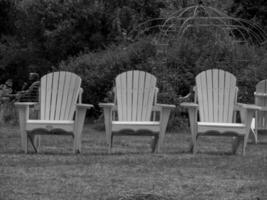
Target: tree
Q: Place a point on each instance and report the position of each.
(250, 9)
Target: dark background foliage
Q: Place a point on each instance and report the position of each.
(91, 38)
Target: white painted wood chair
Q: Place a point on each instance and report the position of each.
(59, 92)
(259, 123)
(133, 112)
(216, 101)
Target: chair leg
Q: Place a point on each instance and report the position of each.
(109, 137)
(253, 134)
(194, 143)
(24, 141)
(245, 141)
(31, 139)
(236, 143)
(111, 141)
(77, 143)
(37, 142)
(256, 136)
(159, 142)
(154, 143)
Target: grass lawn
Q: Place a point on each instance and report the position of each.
(131, 171)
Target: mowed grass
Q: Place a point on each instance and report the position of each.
(131, 171)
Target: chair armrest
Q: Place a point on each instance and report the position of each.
(111, 106)
(248, 106)
(159, 107)
(84, 106)
(23, 110)
(25, 104)
(186, 98)
(164, 110)
(189, 105)
(246, 112)
(108, 108)
(192, 111)
(80, 113)
(259, 94)
(262, 108)
(106, 105)
(165, 106)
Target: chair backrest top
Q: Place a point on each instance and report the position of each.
(216, 94)
(261, 93)
(135, 95)
(59, 94)
(261, 87)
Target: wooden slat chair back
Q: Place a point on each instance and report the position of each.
(135, 110)
(216, 103)
(135, 95)
(58, 95)
(216, 93)
(261, 100)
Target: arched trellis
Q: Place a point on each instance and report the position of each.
(177, 26)
(233, 34)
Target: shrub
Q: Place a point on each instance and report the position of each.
(98, 70)
(176, 73)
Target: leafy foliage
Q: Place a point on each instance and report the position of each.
(90, 38)
(252, 10)
(98, 70)
(44, 33)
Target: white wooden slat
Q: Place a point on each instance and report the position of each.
(200, 97)
(69, 96)
(209, 95)
(135, 94)
(119, 97)
(221, 95)
(59, 92)
(215, 94)
(54, 95)
(48, 95)
(63, 108)
(154, 113)
(261, 87)
(204, 96)
(156, 94)
(61, 84)
(123, 96)
(145, 96)
(43, 97)
(226, 96)
(75, 94)
(264, 114)
(129, 95)
(140, 95)
(151, 95)
(232, 99)
(265, 88)
(195, 93)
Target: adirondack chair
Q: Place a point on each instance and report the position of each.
(59, 92)
(259, 123)
(216, 101)
(133, 112)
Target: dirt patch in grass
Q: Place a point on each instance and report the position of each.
(131, 171)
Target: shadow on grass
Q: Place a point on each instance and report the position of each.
(141, 197)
